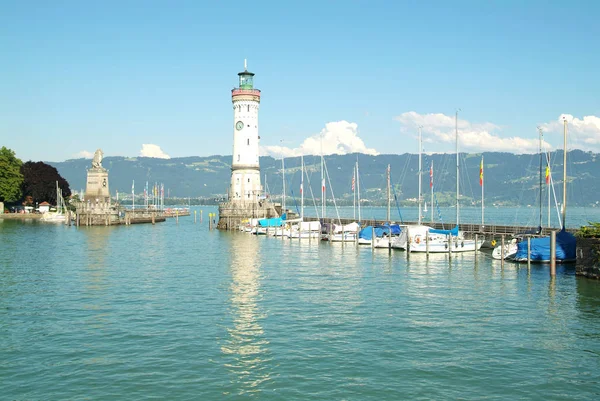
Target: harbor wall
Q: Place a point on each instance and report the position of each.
(588, 257)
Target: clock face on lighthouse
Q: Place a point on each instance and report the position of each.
(239, 125)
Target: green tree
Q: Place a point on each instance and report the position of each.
(40, 182)
(10, 176)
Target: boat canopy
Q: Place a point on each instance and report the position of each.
(380, 231)
(566, 248)
(454, 231)
(310, 226)
(352, 227)
(274, 222)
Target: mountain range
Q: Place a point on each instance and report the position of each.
(509, 179)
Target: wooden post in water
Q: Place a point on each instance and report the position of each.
(330, 229)
(153, 221)
(427, 243)
(502, 251)
(195, 216)
(475, 243)
(177, 216)
(528, 252)
(201, 218)
(449, 246)
(407, 242)
(552, 253)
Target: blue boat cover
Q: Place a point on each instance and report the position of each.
(454, 231)
(367, 232)
(275, 222)
(566, 248)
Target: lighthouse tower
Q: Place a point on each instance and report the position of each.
(245, 169)
(245, 200)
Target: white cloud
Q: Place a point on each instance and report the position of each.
(338, 137)
(151, 150)
(472, 137)
(84, 154)
(583, 133)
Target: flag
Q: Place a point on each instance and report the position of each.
(133, 186)
(431, 176)
(162, 189)
(301, 188)
(481, 172)
(547, 174)
(323, 185)
(353, 180)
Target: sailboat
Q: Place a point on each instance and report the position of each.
(427, 239)
(387, 235)
(59, 215)
(304, 229)
(566, 244)
(509, 249)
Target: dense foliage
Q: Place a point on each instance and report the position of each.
(39, 182)
(10, 176)
(590, 231)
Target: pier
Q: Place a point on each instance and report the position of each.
(489, 230)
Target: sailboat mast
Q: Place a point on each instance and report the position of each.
(541, 166)
(357, 188)
(420, 172)
(431, 187)
(354, 193)
(388, 193)
(564, 210)
(457, 169)
(302, 187)
(322, 183)
(283, 177)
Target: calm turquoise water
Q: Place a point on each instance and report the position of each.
(175, 311)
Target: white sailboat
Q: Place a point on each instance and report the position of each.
(58, 216)
(304, 229)
(444, 241)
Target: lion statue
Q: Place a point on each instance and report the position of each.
(97, 160)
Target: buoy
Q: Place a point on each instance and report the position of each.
(493, 242)
(418, 240)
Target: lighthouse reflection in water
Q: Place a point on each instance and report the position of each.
(246, 345)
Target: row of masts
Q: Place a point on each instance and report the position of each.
(356, 181)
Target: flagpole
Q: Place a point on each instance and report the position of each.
(482, 184)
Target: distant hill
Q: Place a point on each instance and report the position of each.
(509, 178)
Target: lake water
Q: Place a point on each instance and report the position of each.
(175, 311)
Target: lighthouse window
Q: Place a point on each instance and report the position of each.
(238, 157)
(248, 179)
(248, 141)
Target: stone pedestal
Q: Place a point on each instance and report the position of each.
(232, 213)
(96, 190)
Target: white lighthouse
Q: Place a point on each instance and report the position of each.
(244, 195)
(245, 169)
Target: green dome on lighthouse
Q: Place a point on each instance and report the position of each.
(246, 78)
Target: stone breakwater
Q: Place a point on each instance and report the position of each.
(588, 257)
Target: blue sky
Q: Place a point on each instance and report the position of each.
(77, 76)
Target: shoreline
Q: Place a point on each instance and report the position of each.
(21, 216)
